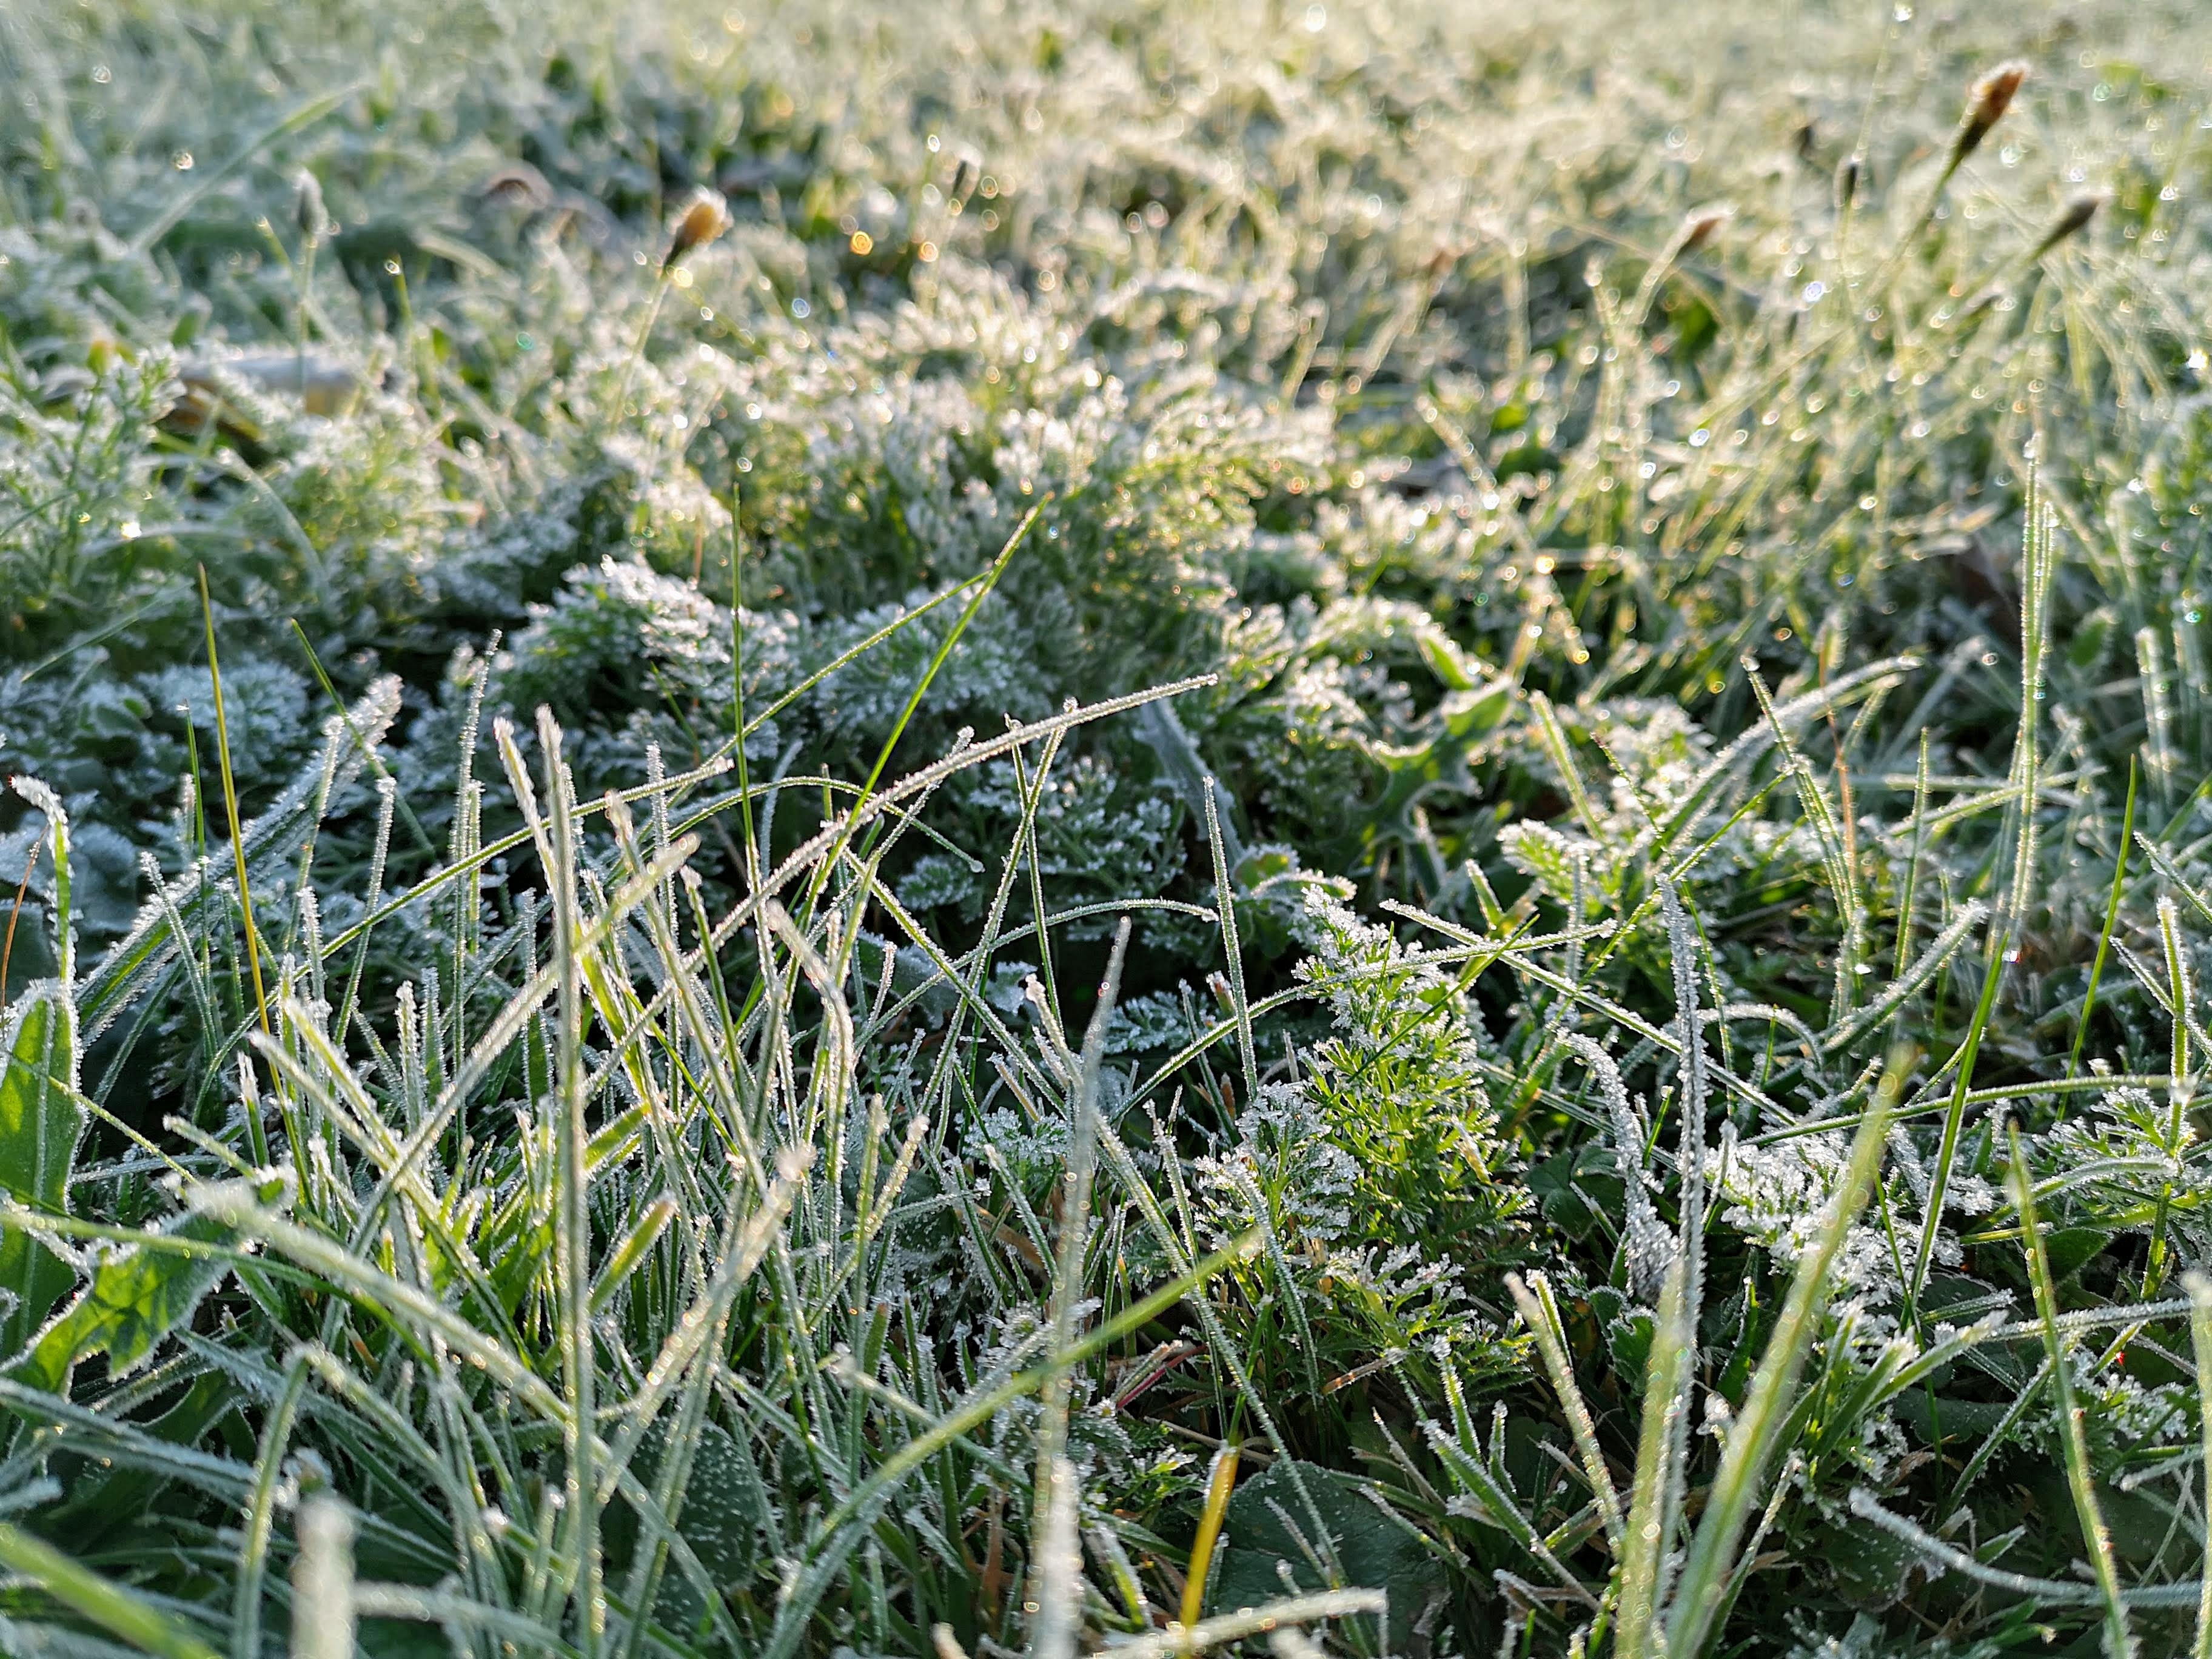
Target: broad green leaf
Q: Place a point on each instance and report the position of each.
(1270, 1552)
(135, 1298)
(724, 1509)
(39, 1121)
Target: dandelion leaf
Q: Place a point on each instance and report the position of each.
(134, 1298)
(40, 1123)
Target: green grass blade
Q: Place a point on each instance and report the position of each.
(1754, 1437)
(2200, 1343)
(2119, 1639)
(101, 1601)
(2111, 921)
(1666, 1377)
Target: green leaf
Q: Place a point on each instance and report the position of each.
(723, 1508)
(2072, 1248)
(1575, 1187)
(1374, 1549)
(40, 1123)
(113, 1607)
(1870, 1569)
(135, 1299)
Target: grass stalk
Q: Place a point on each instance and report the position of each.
(2111, 921)
(113, 1608)
(2119, 1641)
(237, 850)
(2200, 1345)
(1756, 1434)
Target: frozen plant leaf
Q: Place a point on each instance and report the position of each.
(39, 1124)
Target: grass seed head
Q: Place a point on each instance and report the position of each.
(1986, 105)
(2079, 211)
(1700, 224)
(308, 208)
(705, 217)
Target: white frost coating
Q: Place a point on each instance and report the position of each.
(347, 740)
(1646, 1241)
(44, 800)
(1059, 1566)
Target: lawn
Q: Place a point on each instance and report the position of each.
(840, 830)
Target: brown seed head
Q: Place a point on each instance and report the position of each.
(2078, 213)
(1847, 179)
(1986, 104)
(706, 216)
(1699, 224)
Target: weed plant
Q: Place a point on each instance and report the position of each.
(851, 830)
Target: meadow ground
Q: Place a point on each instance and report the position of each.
(849, 829)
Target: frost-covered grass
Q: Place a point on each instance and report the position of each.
(1369, 828)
